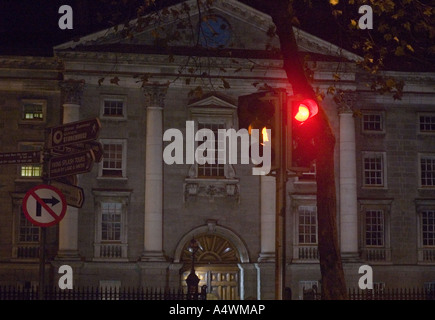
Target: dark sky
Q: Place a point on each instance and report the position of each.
(30, 27)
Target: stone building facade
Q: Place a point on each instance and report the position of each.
(141, 213)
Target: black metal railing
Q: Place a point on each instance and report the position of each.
(96, 293)
(382, 294)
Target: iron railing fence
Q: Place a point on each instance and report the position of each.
(96, 293)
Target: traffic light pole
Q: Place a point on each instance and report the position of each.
(281, 190)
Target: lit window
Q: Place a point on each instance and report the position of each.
(33, 111)
(30, 170)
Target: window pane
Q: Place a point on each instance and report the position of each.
(112, 163)
(373, 170)
(372, 122)
(374, 228)
(213, 169)
(307, 225)
(428, 227)
(427, 123)
(111, 221)
(30, 170)
(27, 231)
(427, 171)
(33, 111)
(113, 108)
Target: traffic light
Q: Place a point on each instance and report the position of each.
(305, 109)
(301, 148)
(262, 110)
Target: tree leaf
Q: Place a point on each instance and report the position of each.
(410, 48)
(115, 80)
(225, 83)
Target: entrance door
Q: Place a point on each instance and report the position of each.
(222, 281)
(216, 266)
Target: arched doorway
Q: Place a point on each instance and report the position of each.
(215, 264)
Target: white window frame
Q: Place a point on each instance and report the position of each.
(213, 110)
(28, 225)
(432, 211)
(206, 123)
(102, 248)
(123, 176)
(373, 113)
(29, 249)
(420, 157)
(118, 98)
(426, 253)
(383, 205)
(41, 102)
(303, 253)
(421, 114)
(372, 154)
(313, 210)
(382, 219)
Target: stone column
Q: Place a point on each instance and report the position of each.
(68, 227)
(153, 229)
(348, 182)
(267, 219)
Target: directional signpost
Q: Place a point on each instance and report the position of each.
(95, 146)
(20, 157)
(74, 195)
(70, 164)
(70, 149)
(73, 132)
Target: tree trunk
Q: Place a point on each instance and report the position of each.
(333, 283)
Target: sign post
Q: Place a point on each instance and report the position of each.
(20, 157)
(70, 164)
(74, 195)
(44, 206)
(70, 149)
(73, 132)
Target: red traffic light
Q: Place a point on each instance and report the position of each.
(306, 109)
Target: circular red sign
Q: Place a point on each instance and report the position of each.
(44, 205)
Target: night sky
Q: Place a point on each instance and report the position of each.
(30, 27)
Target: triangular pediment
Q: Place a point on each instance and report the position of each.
(213, 100)
(239, 27)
